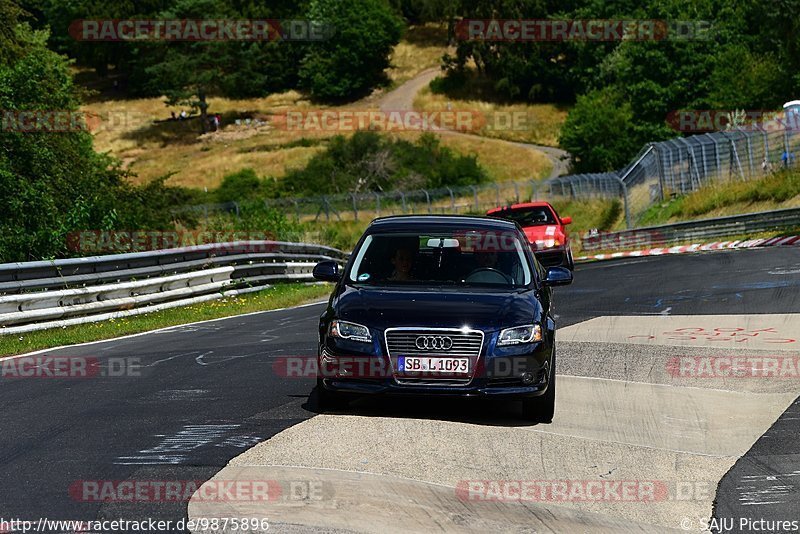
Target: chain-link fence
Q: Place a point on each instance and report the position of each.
(660, 171)
(475, 199)
(670, 168)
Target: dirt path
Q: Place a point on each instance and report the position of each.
(402, 99)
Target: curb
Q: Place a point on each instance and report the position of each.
(685, 249)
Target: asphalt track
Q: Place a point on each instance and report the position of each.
(207, 393)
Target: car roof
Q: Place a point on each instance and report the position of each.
(522, 205)
(426, 222)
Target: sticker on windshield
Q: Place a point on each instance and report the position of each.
(363, 277)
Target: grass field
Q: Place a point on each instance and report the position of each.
(152, 150)
(539, 124)
(278, 296)
(778, 191)
(138, 132)
(422, 48)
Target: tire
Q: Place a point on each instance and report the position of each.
(542, 408)
(328, 401)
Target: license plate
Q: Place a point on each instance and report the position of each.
(417, 364)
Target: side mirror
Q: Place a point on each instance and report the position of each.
(558, 276)
(566, 220)
(327, 271)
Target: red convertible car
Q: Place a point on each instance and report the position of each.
(545, 230)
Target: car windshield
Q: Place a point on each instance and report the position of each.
(465, 258)
(528, 216)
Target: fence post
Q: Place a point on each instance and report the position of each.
(377, 204)
(625, 199)
(355, 206)
(516, 192)
(533, 188)
(427, 199)
(749, 151)
(403, 198)
(452, 200)
(659, 170)
(475, 193)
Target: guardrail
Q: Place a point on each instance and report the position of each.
(46, 294)
(691, 231)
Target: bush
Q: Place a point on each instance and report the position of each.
(368, 162)
(239, 186)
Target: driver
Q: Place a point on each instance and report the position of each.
(486, 259)
(403, 261)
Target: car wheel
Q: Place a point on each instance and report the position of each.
(328, 401)
(541, 409)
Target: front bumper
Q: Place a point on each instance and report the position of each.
(552, 257)
(364, 387)
(519, 371)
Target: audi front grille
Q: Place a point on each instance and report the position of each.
(433, 342)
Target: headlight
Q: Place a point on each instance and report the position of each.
(352, 331)
(520, 334)
(548, 243)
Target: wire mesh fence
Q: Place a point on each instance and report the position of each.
(659, 172)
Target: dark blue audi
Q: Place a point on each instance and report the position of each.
(440, 305)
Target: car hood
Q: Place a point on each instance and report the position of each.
(437, 307)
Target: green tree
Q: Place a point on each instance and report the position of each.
(50, 182)
(353, 60)
(188, 72)
(600, 132)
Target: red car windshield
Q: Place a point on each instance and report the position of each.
(528, 216)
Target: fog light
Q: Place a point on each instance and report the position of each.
(527, 378)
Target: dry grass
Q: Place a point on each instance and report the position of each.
(535, 123)
(128, 129)
(422, 48)
(137, 131)
(154, 149)
(503, 161)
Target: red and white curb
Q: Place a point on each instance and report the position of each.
(684, 249)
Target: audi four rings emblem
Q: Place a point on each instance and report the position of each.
(434, 342)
